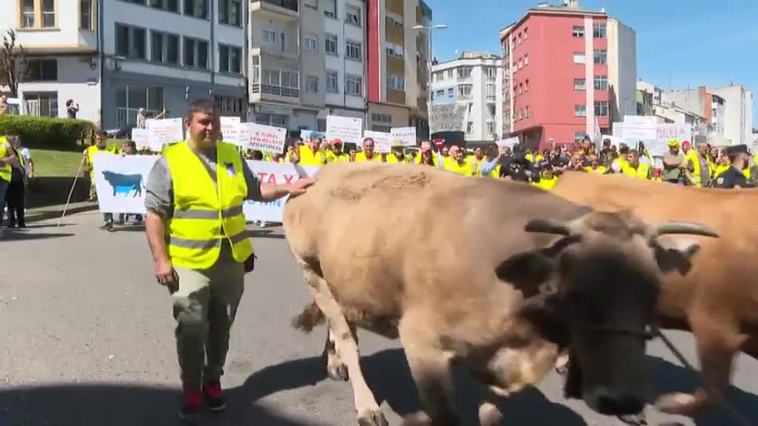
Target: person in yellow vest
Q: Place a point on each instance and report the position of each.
(534, 158)
(618, 164)
(426, 155)
(8, 160)
(368, 153)
(547, 179)
(595, 166)
(334, 154)
(477, 160)
(311, 154)
(100, 147)
(458, 163)
(197, 235)
(634, 168)
(491, 166)
(698, 165)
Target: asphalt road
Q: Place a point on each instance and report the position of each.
(88, 340)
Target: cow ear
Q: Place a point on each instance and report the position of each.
(527, 271)
(675, 259)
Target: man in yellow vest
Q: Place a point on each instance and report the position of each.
(699, 166)
(311, 153)
(547, 179)
(334, 154)
(458, 163)
(368, 153)
(634, 168)
(196, 231)
(100, 147)
(7, 161)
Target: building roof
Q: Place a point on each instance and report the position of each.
(547, 9)
(468, 56)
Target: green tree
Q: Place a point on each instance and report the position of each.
(13, 64)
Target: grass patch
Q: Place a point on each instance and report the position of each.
(57, 162)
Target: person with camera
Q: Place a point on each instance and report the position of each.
(196, 230)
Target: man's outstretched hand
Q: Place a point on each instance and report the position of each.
(300, 186)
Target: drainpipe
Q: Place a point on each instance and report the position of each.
(212, 11)
(101, 55)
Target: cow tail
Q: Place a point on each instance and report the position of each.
(309, 318)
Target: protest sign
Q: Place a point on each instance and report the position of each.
(164, 131)
(230, 129)
(141, 138)
(263, 138)
(639, 128)
(406, 135)
(382, 141)
(447, 118)
(348, 129)
(507, 143)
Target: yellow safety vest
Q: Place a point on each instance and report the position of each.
(696, 167)
(546, 184)
(418, 157)
(600, 170)
(206, 213)
(465, 169)
(5, 171)
(94, 150)
(361, 157)
(332, 157)
(531, 158)
(642, 171)
(309, 158)
(621, 163)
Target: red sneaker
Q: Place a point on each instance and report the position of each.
(214, 396)
(192, 403)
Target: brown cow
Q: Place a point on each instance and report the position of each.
(718, 299)
(443, 262)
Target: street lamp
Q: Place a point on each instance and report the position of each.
(429, 28)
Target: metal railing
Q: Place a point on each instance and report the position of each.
(286, 4)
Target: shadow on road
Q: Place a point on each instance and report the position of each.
(120, 405)
(388, 376)
(21, 234)
(264, 233)
(668, 377)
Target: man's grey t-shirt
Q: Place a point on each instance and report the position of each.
(159, 197)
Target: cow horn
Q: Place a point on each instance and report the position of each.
(684, 228)
(547, 226)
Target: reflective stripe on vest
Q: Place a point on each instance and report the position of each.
(206, 212)
(5, 171)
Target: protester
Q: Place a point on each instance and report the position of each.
(734, 177)
(368, 153)
(196, 234)
(72, 108)
(100, 147)
(16, 193)
(673, 164)
(8, 160)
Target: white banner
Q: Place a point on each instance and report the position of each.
(382, 141)
(263, 138)
(447, 118)
(348, 129)
(230, 129)
(164, 131)
(503, 143)
(405, 134)
(141, 138)
(120, 183)
(639, 128)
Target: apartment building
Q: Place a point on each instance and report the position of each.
(566, 69)
(738, 113)
(709, 106)
(113, 57)
(476, 79)
(397, 69)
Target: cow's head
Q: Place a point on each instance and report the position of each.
(605, 274)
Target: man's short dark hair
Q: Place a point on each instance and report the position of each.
(131, 144)
(101, 133)
(204, 105)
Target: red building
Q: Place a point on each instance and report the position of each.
(567, 71)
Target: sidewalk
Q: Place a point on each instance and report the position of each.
(55, 211)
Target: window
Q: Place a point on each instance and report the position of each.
(48, 13)
(526, 85)
(230, 12)
(37, 13)
(332, 81)
(601, 108)
(28, 14)
(598, 31)
(578, 31)
(601, 82)
(600, 56)
(311, 84)
(450, 92)
(130, 42)
(578, 136)
(527, 113)
(353, 50)
(580, 110)
(130, 98)
(354, 85)
(526, 34)
(311, 3)
(381, 118)
(579, 58)
(353, 15)
(195, 53)
(469, 127)
(43, 104)
(394, 50)
(526, 60)
(164, 48)
(491, 109)
(491, 92)
(330, 44)
(330, 8)
(41, 70)
(464, 91)
(396, 82)
(490, 73)
(281, 82)
(274, 39)
(196, 8)
(464, 73)
(229, 59)
(580, 84)
(86, 15)
(450, 73)
(311, 42)
(439, 93)
(169, 5)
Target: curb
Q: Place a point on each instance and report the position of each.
(51, 214)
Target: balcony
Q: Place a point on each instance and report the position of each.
(274, 79)
(276, 8)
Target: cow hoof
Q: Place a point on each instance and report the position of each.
(372, 418)
(678, 403)
(417, 419)
(338, 372)
(634, 419)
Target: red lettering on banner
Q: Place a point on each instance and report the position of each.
(262, 176)
(288, 178)
(272, 179)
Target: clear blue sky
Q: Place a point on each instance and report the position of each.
(680, 43)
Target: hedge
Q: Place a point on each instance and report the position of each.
(46, 132)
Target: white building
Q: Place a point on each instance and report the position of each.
(622, 69)
(738, 113)
(476, 80)
(129, 54)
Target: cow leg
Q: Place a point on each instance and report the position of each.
(430, 368)
(346, 348)
(489, 412)
(718, 341)
(335, 368)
